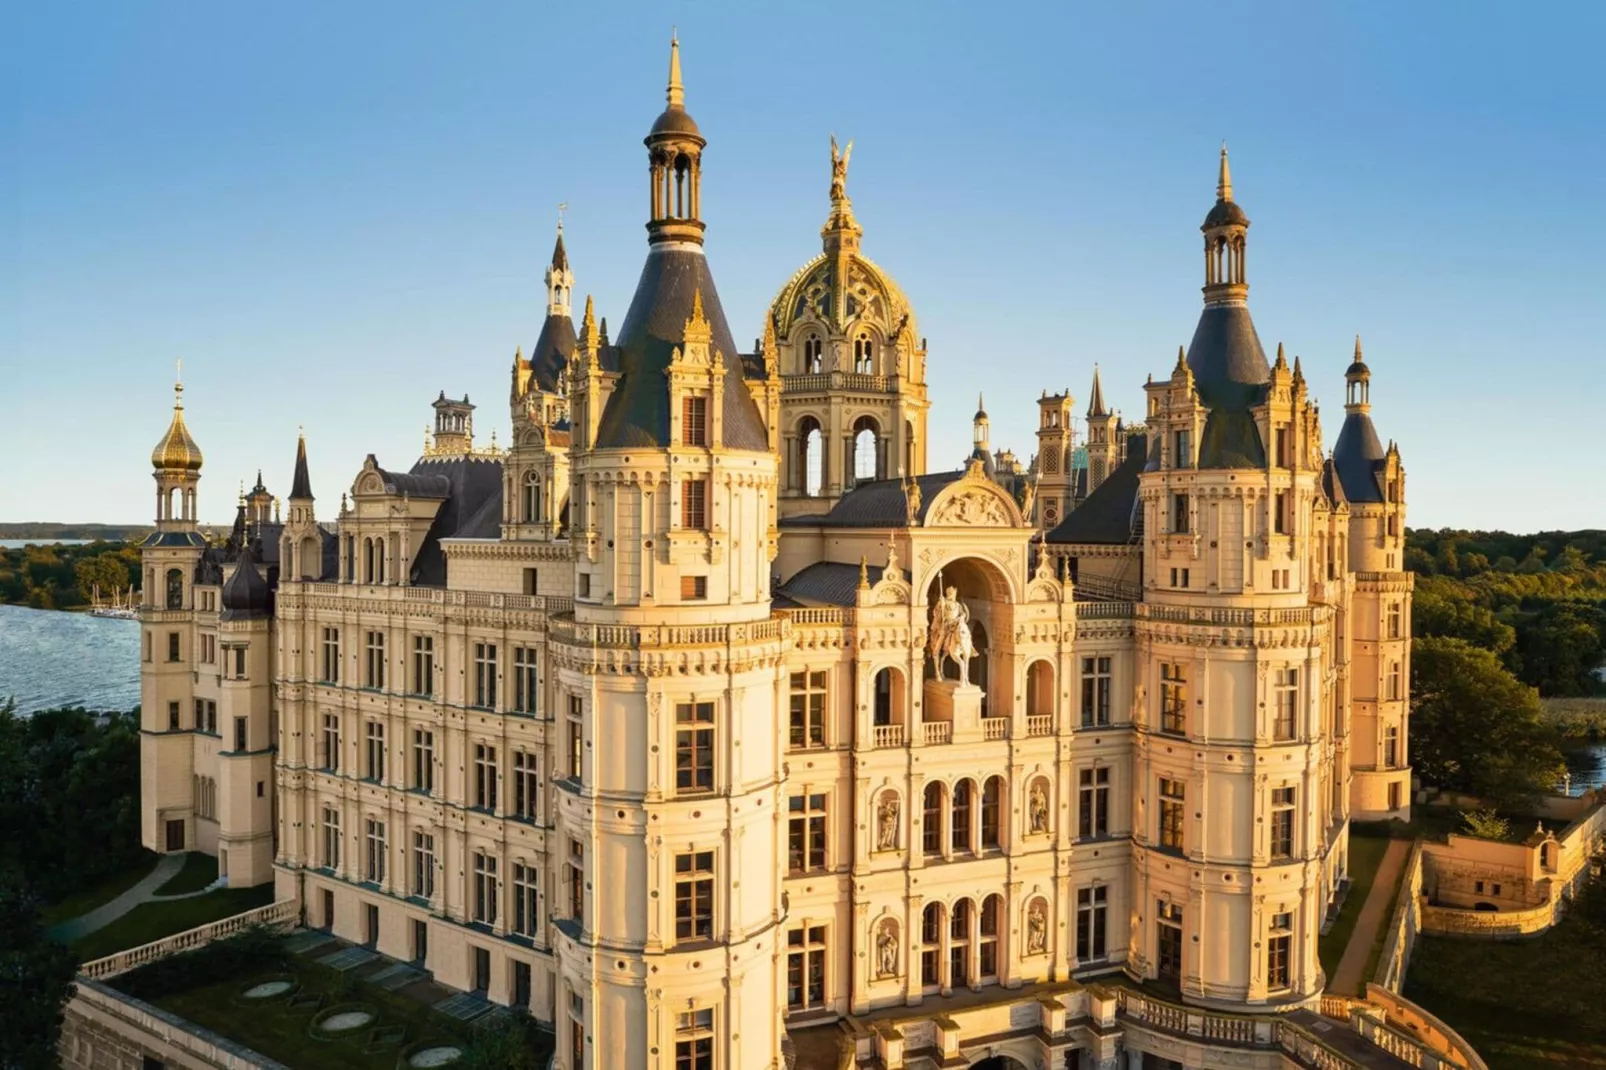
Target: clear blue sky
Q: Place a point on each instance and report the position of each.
(332, 212)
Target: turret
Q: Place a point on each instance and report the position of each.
(176, 464)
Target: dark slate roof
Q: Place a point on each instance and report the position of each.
(879, 503)
(174, 538)
(675, 120)
(416, 484)
(1231, 439)
(637, 413)
(827, 583)
(553, 350)
(473, 493)
(753, 366)
(1228, 364)
(1332, 486)
(301, 485)
(1225, 213)
(1357, 455)
(246, 595)
(1107, 514)
(560, 255)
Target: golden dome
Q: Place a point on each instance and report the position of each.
(176, 451)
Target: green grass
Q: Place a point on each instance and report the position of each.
(152, 921)
(104, 892)
(1365, 854)
(1536, 1004)
(199, 871)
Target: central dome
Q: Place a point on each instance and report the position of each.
(867, 294)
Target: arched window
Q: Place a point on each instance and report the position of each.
(532, 498)
(992, 910)
(931, 819)
(175, 588)
(959, 943)
(368, 560)
(964, 802)
(992, 800)
(889, 696)
(811, 456)
(813, 355)
(931, 923)
(864, 355)
(866, 449)
(1039, 689)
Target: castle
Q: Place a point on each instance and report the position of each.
(639, 723)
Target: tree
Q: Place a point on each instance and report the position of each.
(37, 975)
(1486, 824)
(105, 571)
(1476, 728)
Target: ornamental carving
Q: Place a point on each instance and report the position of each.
(972, 509)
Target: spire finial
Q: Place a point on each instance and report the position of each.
(563, 206)
(981, 402)
(1224, 179)
(178, 383)
(1357, 349)
(676, 92)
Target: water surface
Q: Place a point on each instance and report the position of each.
(49, 658)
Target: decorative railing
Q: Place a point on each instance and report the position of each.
(1220, 615)
(283, 913)
(938, 731)
(655, 636)
(1040, 724)
(888, 735)
(819, 382)
(1104, 610)
(818, 615)
(994, 727)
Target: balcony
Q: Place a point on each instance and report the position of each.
(888, 735)
(1040, 724)
(938, 732)
(994, 727)
(821, 382)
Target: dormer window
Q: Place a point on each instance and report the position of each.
(694, 421)
(532, 498)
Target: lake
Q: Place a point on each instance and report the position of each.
(17, 544)
(49, 659)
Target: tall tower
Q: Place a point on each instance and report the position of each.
(981, 448)
(535, 493)
(1234, 840)
(667, 794)
(851, 366)
(1056, 489)
(245, 825)
(301, 548)
(170, 556)
(1373, 480)
(1103, 444)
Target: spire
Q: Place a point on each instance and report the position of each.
(559, 279)
(1095, 404)
(1224, 177)
(676, 92)
(301, 485)
(176, 450)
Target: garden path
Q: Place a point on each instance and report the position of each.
(1347, 979)
(106, 913)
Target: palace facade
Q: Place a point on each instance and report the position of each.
(634, 723)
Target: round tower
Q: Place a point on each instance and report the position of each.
(669, 674)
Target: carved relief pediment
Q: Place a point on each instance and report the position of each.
(970, 509)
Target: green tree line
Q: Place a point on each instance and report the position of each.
(61, 576)
(69, 808)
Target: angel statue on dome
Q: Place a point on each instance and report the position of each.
(839, 169)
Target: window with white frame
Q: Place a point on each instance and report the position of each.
(526, 784)
(1095, 691)
(485, 776)
(526, 899)
(331, 742)
(331, 655)
(423, 884)
(374, 647)
(1093, 802)
(1092, 904)
(694, 896)
(526, 680)
(807, 715)
(1173, 799)
(1279, 945)
(806, 826)
(331, 838)
(485, 889)
(375, 767)
(485, 675)
(374, 858)
(423, 778)
(423, 665)
(1285, 703)
(1282, 822)
(694, 1040)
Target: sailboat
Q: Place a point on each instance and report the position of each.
(120, 607)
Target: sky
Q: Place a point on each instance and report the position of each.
(334, 212)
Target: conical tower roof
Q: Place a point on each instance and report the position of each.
(301, 485)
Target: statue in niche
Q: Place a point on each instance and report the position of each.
(1037, 807)
(1036, 928)
(886, 838)
(886, 950)
(950, 635)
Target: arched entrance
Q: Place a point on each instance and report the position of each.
(984, 590)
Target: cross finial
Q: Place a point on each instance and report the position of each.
(563, 206)
(676, 92)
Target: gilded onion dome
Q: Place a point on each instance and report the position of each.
(176, 451)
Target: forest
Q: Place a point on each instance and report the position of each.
(64, 576)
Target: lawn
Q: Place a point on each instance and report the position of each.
(199, 871)
(104, 892)
(1537, 1004)
(1365, 853)
(152, 921)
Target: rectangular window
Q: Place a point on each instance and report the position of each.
(807, 721)
(694, 1040)
(1179, 577)
(331, 838)
(485, 769)
(1173, 699)
(931, 945)
(485, 889)
(1285, 704)
(582, 585)
(1394, 620)
(526, 785)
(693, 421)
(1091, 906)
(211, 716)
(423, 665)
(375, 645)
(241, 742)
(693, 588)
(1391, 747)
(1278, 946)
(1095, 692)
(1280, 512)
(931, 821)
(577, 876)
(576, 736)
(374, 860)
(1182, 449)
(374, 732)
(805, 968)
(1393, 690)
(694, 896)
(423, 761)
(1179, 514)
(987, 939)
(1173, 797)
(694, 746)
(485, 675)
(172, 646)
(526, 680)
(532, 581)
(239, 663)
(805, 833)
(526, 899)
(1280, 448)
(1093, 815)
(1282, 823)
(172, 716)
(423, 885)
(331, 742)
(209, 649)
(331, 656)
(959, 832)
(694, 503)
(1168, 926)
(200, 715)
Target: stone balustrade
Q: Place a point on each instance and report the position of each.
(994, 727)
(566, 630)
(938, 732)
(1040, 724)
(281, 914)
(888, 735)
